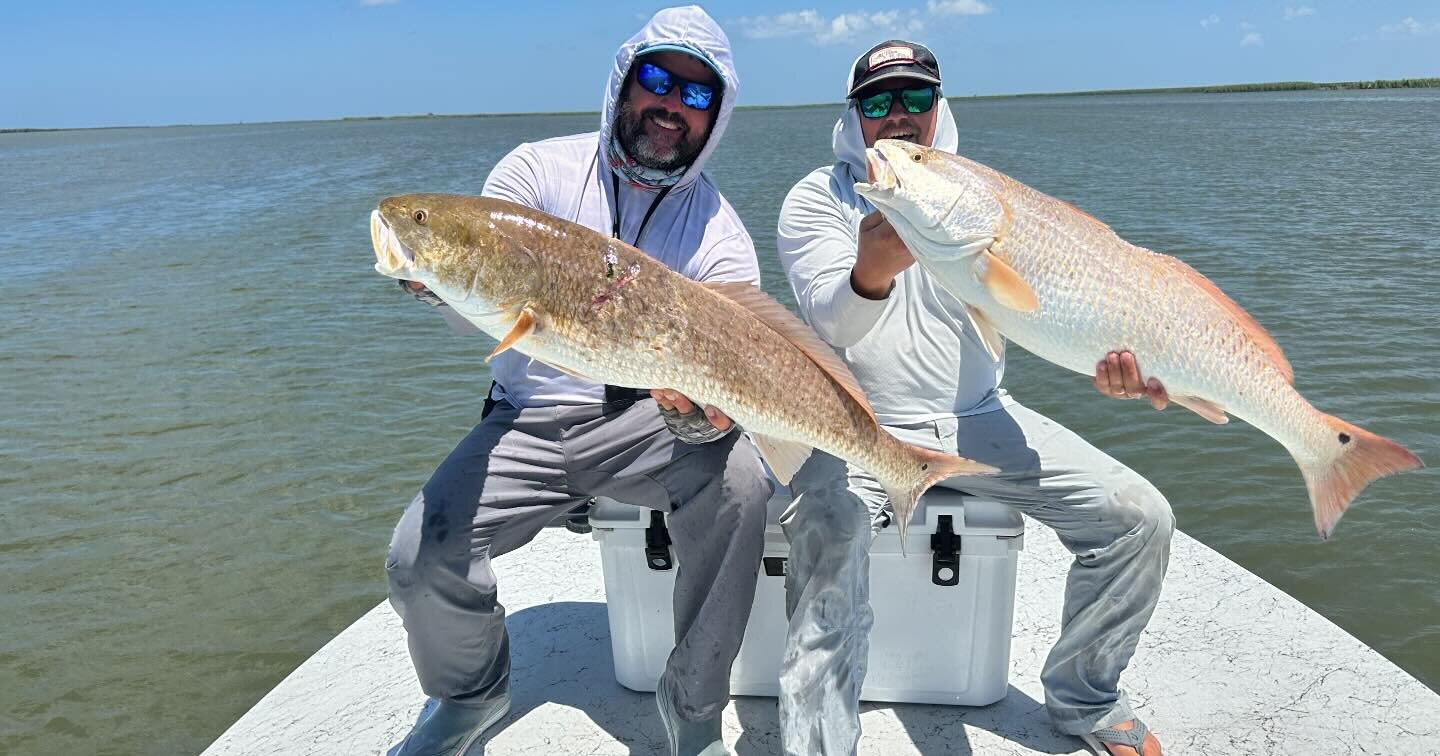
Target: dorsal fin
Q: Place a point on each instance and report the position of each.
(1257, 332)
(1006, 186)
(784, 322)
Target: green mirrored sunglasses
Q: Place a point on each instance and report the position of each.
(913, 99)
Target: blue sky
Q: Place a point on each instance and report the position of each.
(70, 64)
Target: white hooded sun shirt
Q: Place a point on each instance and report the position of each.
(913, 352)
(693, 230)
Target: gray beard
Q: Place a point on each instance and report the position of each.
(637, 144)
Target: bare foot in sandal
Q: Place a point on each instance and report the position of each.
(1117, 739)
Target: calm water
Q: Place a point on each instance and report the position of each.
(214, 411)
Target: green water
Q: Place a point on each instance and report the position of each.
(214, 410)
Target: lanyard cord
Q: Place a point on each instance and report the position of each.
(615, 209)
(618, 395)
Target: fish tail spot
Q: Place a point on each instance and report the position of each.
(1333, 485)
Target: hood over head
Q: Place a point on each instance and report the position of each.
(686, 29)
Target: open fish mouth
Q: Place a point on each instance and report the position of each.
(879, 175)
(391, 257)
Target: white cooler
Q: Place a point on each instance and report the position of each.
(942, 615)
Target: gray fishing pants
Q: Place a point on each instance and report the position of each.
(517, 471)
(1116, 524)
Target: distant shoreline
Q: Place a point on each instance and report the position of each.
(1274, 86)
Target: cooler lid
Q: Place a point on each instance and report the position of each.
(611, 514)
(981, 516)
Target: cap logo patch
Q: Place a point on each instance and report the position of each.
(891, 55)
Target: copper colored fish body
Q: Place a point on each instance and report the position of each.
(602, 310)
(1067, 288)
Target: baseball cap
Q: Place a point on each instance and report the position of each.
(893, 59)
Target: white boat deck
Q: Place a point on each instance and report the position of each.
(1229, 664)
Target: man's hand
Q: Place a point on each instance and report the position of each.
(880, 257)
(1119, 376)
(670, 399)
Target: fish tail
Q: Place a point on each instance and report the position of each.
(1361, 458)
(927, 467)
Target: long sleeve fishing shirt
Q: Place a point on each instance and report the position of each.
(913, 352)
(692, 230)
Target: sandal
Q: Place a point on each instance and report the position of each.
(1131, 738)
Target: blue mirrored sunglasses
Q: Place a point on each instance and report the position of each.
(657, 80)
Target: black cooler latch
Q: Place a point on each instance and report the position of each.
(774, 566)
(657, 544)
(945, 564)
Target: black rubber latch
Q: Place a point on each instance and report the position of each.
(774, 566)
(945, 564)
(657, 544)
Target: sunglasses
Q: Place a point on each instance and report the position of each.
(915, 100)
(658, 81)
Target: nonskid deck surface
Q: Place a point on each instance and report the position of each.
(1229, 664)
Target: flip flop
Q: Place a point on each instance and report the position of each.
(1131, 738)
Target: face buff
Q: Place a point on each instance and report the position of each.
(638, 174)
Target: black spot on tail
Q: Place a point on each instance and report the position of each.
(1344, 438)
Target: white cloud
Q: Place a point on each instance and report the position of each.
(958, 7)
(828, 30)
(1409, 27)
(373, 3)
(1208, 22)
(791, 24)
(1246, 25)
(1293, 13)
(1253, 39)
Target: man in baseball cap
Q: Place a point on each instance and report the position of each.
(932, 383)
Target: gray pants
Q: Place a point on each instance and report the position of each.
(517, 471)
(1116, 524)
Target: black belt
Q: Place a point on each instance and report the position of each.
(490, 401)
(615, 396)
(619, 396)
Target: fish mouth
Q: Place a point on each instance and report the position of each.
(392, 258)
(879, 174)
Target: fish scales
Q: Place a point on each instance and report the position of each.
(1100, 289)
(1080, 291)
(595, 307)
(657, 329)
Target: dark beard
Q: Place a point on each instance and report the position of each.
(631, 128)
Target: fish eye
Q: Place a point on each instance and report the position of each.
(916, 157)
(420, 216)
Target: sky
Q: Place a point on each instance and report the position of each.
(67, 64)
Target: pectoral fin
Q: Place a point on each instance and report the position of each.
(784, 457)
(524, 326)
(1204, 408)
(1005, 284)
